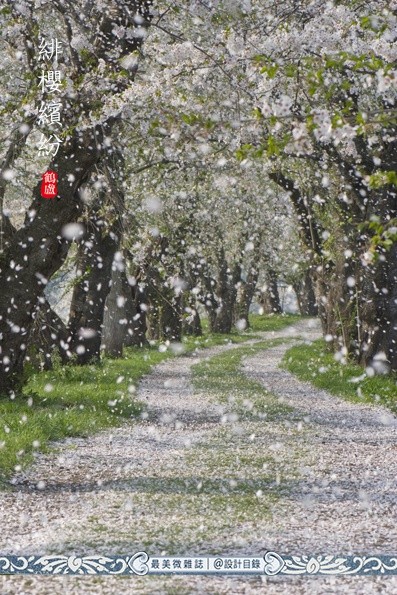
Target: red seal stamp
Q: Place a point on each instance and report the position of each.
(49, 184)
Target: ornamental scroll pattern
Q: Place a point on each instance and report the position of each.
(276, 564)
(136, 564)
(140, 564)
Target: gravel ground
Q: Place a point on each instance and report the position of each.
(130, 488)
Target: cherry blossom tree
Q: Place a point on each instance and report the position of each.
(99, 64)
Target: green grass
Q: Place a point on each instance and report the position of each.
(271, 322)
(261, 323)
(222, 378)
(70, 401)
(317, 365)
(213, 339)
(77, 401)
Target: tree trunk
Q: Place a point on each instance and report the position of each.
(378, 314)
(37, 250)
(270, 299)
(191, 319)
(115, 321)
(391, 344)
(94, 262)
(48, 336)
(211, 305)
(39, 247)
(166, 301)
(360, 315)
(171, 317)
(245, 296)
(192, 324)
(125, 314)
(305, 295)
(226, 292)
(153, 283)
(136, 308)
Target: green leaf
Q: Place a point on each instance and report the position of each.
(383, 178)
(270, 70)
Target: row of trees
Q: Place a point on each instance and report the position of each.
(256, 141)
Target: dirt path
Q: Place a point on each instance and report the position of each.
(193, 478)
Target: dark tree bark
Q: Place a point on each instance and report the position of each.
(305, 295)
(310, 233)
(96, 254)
(48, 336)
(191, 318)
(226, 294)
(115, 321)
(334, 300)
(125, 314)
(38, 248)
(154, 285)
(16, 145)
(362, 318)
(94, 264)
(245, 296)
(136, 308)
(209, 299)
(192, 323)
(378, 310)
(171, 317)
(270, 298)
(165, 311)
(390, 328)
(165, 314)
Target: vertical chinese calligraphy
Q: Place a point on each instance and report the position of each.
(49, 115)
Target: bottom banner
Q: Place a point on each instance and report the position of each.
(140, 564)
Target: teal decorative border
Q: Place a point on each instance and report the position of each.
(327, 565)
(140, 564)
(136, 564)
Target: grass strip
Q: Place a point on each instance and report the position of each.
(271, 322)
(315, 363)
(80, 400)
(222, 377)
